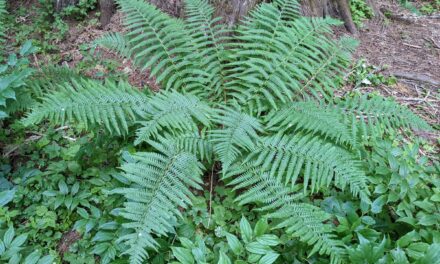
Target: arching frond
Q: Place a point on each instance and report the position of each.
(161, 185)
(239, 133)
(196, 143)
(365, 116)
(304, 221)
(310, 118)
(115, 42)
(346, 121)
(48, 79)
(207, 37)
(288, 157)
(91, 103)
(174, 112)
(161, 43)
(272, 69)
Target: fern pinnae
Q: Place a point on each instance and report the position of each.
(322, 162)
(304, 221)
(162, 186)
(207, 39)
(239, 133)
(91, 103)
(115, 42)
(172, 111)
(310, 117)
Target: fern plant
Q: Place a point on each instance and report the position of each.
(257, 100)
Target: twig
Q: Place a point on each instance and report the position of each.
(61, 128)
(415, 77)
(412, 46)
(433, 42)
(417, 99)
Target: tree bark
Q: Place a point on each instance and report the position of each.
(232, 11)
(334, 8)
(107, 9)
(61, 4)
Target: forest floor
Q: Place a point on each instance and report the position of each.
(401, 45)
(407, 47)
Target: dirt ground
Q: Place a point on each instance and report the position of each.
(400, 44)
(409, 48)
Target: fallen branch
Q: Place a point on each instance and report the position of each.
(416, 77)
(412, 46)
(406, 18)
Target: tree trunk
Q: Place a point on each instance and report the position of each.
(232, 11)
(107, 8)
(334, 8)
(61, 4)
(172, 7)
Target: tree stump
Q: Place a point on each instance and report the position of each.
(107, 9)
(333, 8)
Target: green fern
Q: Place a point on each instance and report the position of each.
(173, 111)
(162, 181)
(323, 163)
(303, 221)
(348, 121)
(258, 101)
(236, 137)
(91, 103)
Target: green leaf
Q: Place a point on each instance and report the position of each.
(33, 257)
(405, 240)
(268, 240)
(261, 227)
(6, 197)
(64, 189)
(245, 230)
(12, 59)
(399, 256)
(432, 256)
(376, 206)
(234, 243)
(257, 248)
(269, 258)
(82, 212)
(9, 235)
(223, 259)
(27, 48)
(183, 255)
(18, 241)
(46, 260)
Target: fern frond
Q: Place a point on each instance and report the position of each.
(196, 143)
(269, 70)
(207, 37)
(161, 185)
(161, 43)
(365, 116)
(91, 103)
(239, 133)
(287, 157)
(115, 42)
(310, 118)
(304, 221)
(47, 79)
(172, 111)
